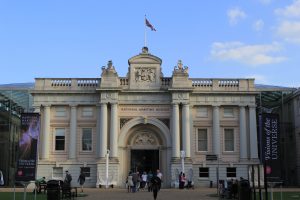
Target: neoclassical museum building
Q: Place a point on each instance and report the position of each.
(144, 122)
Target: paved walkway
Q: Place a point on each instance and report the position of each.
(122, 194)
(164, 194)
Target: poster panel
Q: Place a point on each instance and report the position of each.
(270, 143)
(28, 144)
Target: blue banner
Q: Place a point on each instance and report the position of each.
(270, 144)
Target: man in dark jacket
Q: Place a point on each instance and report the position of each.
(156, 184)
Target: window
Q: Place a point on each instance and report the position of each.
(59, 139)
(231, 172)
(228, 140)
(86, 171)
(228, 112)
(202, 112)
(57, 173)
(202, 139)
(60, 112)
(86, 139)
(203, 172)
(87, 112)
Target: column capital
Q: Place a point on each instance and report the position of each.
(174, 103)
(46, 105)
(73, 105)
(242, 106)
(215, 105)
(252, 106)
(185, 103)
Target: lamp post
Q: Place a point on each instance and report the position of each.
(182, 155)
(107, 162)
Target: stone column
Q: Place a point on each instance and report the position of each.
(253, 133)
(114, 130)
(98, 138)
(243, 136)
(216, 130)
(186, 144)
(103, 130)
(46, 133)
(73, 133)
(175, 130)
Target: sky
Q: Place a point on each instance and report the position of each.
(216, 39)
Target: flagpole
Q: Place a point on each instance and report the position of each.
(145, 36)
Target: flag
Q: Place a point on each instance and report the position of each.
(149, 25)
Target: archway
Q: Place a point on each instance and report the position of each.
(145, 144)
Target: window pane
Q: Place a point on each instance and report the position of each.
(229, 140)
(231, 171)
(86, 171)
(204, 172)
(59, 139)
(202, 139)
(86, 139)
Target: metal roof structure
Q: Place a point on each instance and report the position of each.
(16, 97)
(271, 97)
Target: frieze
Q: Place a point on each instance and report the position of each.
(141, 110)
(144, 139)
(145, 75)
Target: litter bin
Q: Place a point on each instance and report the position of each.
(244, 190)
(53, 190)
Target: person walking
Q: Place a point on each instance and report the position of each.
(81, 180)
(156, 184)
(68, 178)
(160, 176)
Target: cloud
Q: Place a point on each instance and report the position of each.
(290, 11)
(258, 25)
(289, 31)
(260, 79)
(235, 15)
(254, 55)
(289, 26)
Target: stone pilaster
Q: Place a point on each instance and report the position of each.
(73, 133)
(114, 131)
(186, 144)
(46, 133)
(243, 136)
(216, 130)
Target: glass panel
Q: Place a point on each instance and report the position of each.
(202, 139)
(86, 139)
(229, 140)
(60, 139)
(204, 172)
(86, 171)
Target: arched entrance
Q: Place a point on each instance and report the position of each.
(145, 144)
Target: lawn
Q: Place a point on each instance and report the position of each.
(285, 196)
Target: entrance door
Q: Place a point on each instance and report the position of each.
(144, 160)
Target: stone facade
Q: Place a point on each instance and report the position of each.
(146, 112)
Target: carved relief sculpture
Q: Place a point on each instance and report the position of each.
(144, 75)
(144, 139)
